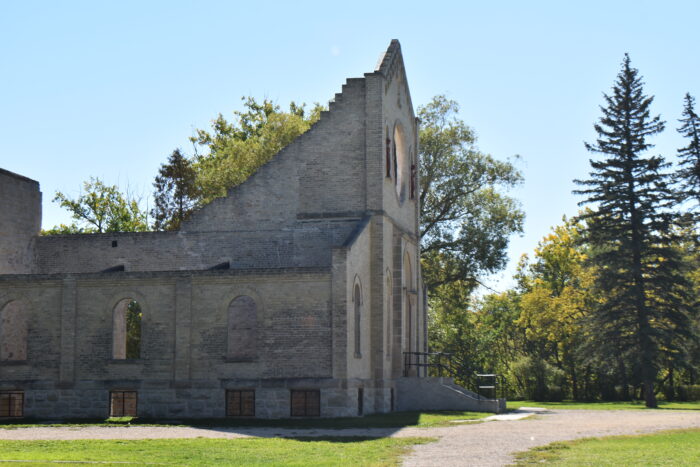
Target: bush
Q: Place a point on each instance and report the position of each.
(688, 392)
(537, 380)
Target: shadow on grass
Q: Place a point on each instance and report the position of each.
(394, 420)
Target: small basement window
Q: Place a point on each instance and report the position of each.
(122, 403)
(240, 403)
(306, 403)
(11, 404)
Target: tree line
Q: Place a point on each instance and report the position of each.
(607, 308)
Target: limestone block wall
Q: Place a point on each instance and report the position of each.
(319, 175)
(20, 221)
(183, 368)
(306, 244)
(400, 128)
(359, 258)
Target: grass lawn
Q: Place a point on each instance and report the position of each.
(200, 451)
(388, 420)
(672, 448)
(627, 405)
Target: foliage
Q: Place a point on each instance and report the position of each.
(640, 275)
(607, 405)
(555, 293)
(176, 194)
(101, 208)
(689, 156)
(235, 150)
(133, 329)
(537, 379)
(465, 220)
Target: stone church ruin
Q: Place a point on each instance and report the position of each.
(298, 294)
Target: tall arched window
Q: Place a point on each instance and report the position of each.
(400, 161)
(126, 329)
(388, 321)
(408, 312)
(414, 176)
(387, 161)
(13, 332)
(242, 329)
(357, 299)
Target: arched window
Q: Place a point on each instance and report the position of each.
(407, 309)
(400, 161)
(357, 299)
(126, 329)
(387, 161)
(13, 332)
(242, 329)
(414, 176)
(388, 320)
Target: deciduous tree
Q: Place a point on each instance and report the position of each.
(101, 208)
(466, 219)
(234, 150)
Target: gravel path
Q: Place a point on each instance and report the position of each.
(494, 443)
(483, 444)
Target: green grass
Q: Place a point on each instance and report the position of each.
(388, 420)
(186, 452)
(627, 405)
(671, 448)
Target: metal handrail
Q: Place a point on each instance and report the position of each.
(442, 363)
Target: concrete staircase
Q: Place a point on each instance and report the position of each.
(441, 394)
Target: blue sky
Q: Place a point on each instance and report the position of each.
(109, 89)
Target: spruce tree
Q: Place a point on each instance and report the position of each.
(176, 193)
(641, 286)
(689, 173)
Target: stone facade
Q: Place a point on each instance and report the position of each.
(302, 285)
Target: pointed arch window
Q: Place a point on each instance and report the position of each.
(357, 301)
(388, 319)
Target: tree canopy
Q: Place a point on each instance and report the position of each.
(101, 208)
(466, 219)
(231, 152)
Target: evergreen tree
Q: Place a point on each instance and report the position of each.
(176, 193)
(641, 282)
(689, 173)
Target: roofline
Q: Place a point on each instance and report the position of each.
(17, 176)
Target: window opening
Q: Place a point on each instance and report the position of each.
(240, 403)
(11, 403)
(358, 320)
(394, 164)
(360, 400)
(413, 181)
(242, 329)
(127, 330)
(306, 403)
(388, 320)
(387, 157)
(122, 403)
(13, 332)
